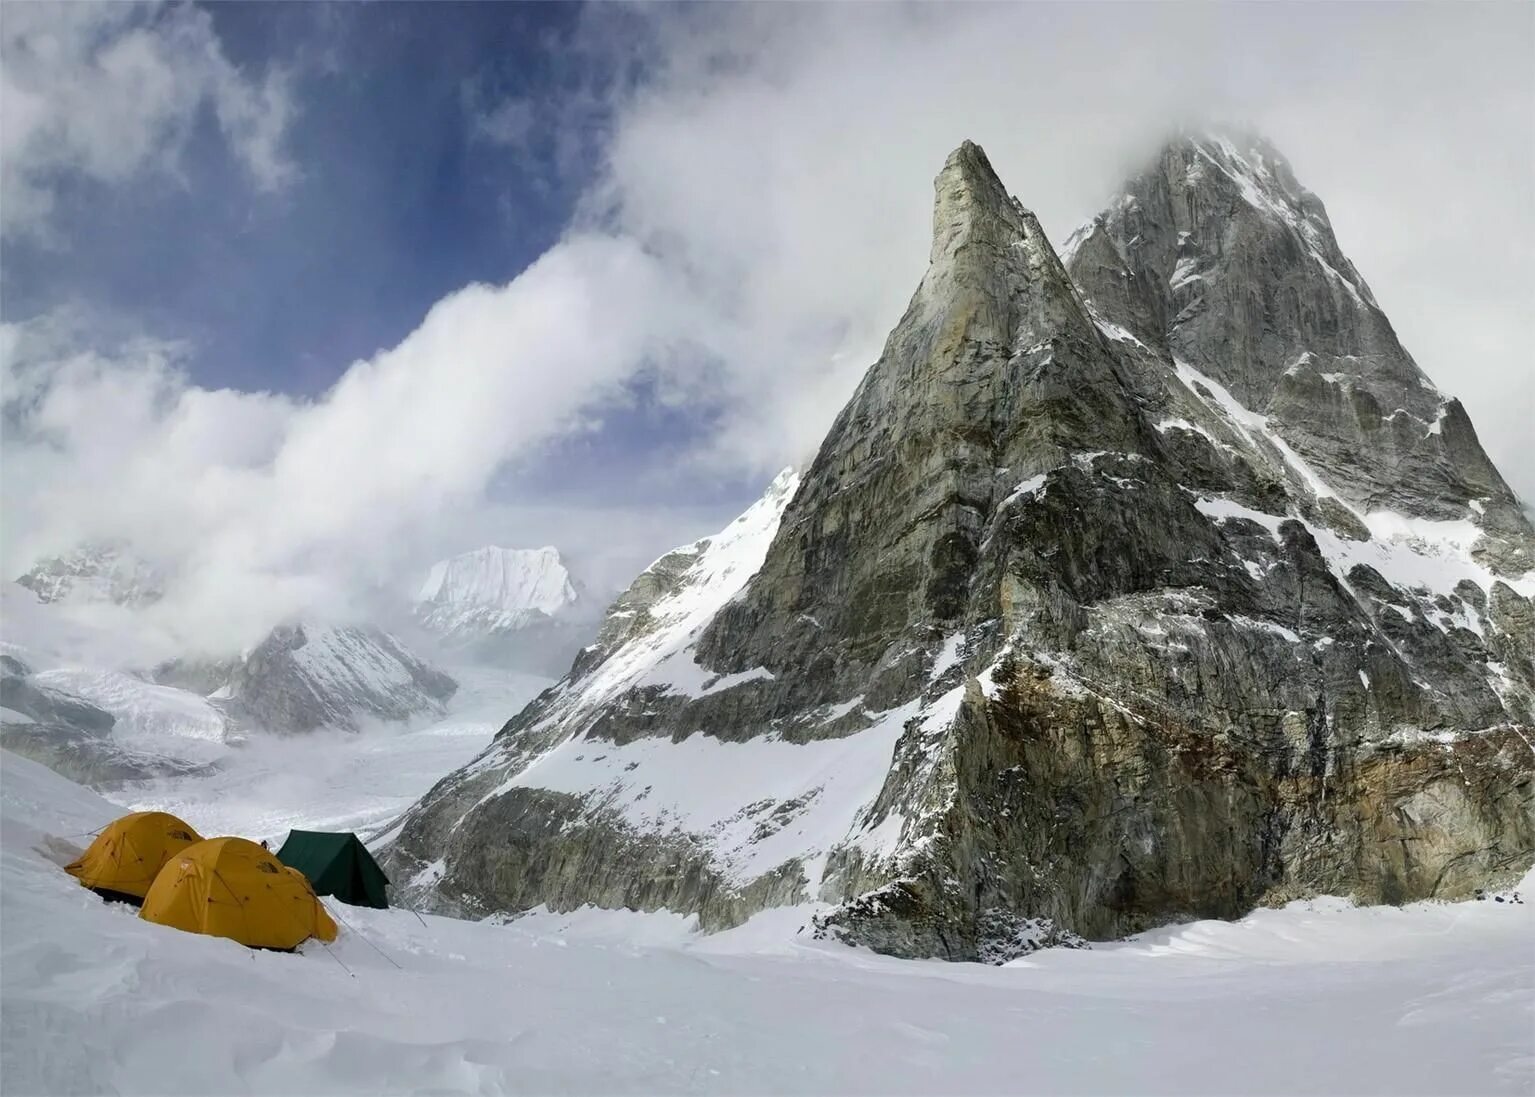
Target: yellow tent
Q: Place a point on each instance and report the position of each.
(126, 857)
(229, 887)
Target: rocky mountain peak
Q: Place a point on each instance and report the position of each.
(1216, 258)
(971, 204)
(1101, 604)
(993, 275)
(304, 677)
(995, 375)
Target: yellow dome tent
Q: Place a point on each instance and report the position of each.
(229, 887)
(127, 855)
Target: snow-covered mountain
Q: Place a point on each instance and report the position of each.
(492, 588)
(516, 608)
(1154, 584)
(103, 728)
(82, 690)
(96, 572)
(302, 678)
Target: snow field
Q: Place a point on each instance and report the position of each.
(1309, 999)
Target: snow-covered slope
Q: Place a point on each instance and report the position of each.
(66, 703)
(78, 696)
(339, 780)
(146, 715)
(1314, 998)
(694, 791)
(648, 637)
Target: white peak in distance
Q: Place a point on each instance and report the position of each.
(499, 587)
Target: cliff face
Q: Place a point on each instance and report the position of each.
(1103, 603)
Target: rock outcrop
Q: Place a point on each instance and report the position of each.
(1157, 584)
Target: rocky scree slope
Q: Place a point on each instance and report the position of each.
(1164, 587)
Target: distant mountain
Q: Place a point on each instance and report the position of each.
(518, 608)
(101, 572)
(493, 589)
(303, 678)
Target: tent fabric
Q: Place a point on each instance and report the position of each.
(337, 864)
(230, 887)
(128, 854)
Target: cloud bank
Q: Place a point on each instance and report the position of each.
(758, 222)
(105, 92)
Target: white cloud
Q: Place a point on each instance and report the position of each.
(263, 506)
(108, 91)
(509, 122)
(760, 221)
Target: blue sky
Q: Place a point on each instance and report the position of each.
(398, 200)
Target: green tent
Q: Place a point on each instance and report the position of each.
(336, 864)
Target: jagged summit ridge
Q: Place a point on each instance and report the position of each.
(1072, 624)
(1239, 165)
(1217, 258)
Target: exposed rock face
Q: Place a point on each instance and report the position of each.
(97, 572)
(1103, 603)
(1216, 257)
(301, 678)
(508, 607)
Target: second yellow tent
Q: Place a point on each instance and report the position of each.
(230, 887)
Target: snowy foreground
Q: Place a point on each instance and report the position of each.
(1314, 998)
